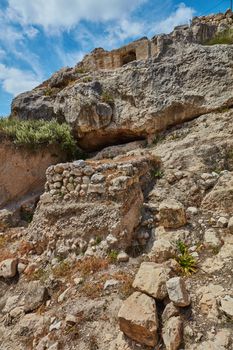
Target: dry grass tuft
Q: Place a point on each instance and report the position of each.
(91, 265)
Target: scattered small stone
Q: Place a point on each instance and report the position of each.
(177, 292)
(110, 283)
(35, 295)
(170, 311)
(63, 296)
(172, 333)
(172, 214)
(21, 267)
(71, 319)
(226, 306)
(211, 238)
(230, 225)
(78, 280)
(8, 268)
(55, 326)
(161, 251)
(122, 257)
(222, 222)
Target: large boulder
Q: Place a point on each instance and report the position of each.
(138, 319)
(151, 279)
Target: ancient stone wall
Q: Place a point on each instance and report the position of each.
(100, 59)
(215, 19)
(93, 198)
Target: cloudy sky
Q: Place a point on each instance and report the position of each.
(38, 37)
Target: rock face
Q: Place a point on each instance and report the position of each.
(22, 171)
(151, 279)
(78, 192)
(110, 107)
(138, 319)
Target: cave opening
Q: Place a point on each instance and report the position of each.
(128, 57)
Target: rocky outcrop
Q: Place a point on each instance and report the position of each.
(140, 99)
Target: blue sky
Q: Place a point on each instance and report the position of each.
(38, 37)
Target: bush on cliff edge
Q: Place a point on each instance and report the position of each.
(35, 133)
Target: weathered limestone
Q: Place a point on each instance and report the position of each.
(226, 306)
(138, 319)
(22, 171)
(34, 296)
(172, 214)
(161, 251)
(100, 59)
(151, 279)
(8, 268)
(172, 333)
(110, 107)
(177, 292)
(170, 311)
(230, 225)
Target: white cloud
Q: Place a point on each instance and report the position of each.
(182, 15)
(15, 81)
(2, 53)
(69, 58)
(65, 14)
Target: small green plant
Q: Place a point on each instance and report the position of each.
(112, 256)
(87, 79)
(81, 70)
(98, 240)
(186, 261)
(106, 97)
(158, 139)
(225, 37)
(158, 174)
(40, 274)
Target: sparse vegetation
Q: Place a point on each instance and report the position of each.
(87, 79)
(158, 174)
(80, 70)
(91, 265)
(50, 91)
(62, 269)
(158, 139)
(106, 97)
(33, 133)
(98, 240)
(186, 261)
(112, 256)
(225, 37)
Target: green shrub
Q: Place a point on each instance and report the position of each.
(87, 79)
(157, 174)
(186, 261)
(225, 37)
(107, 98)
(33, 133)
(112, 256)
